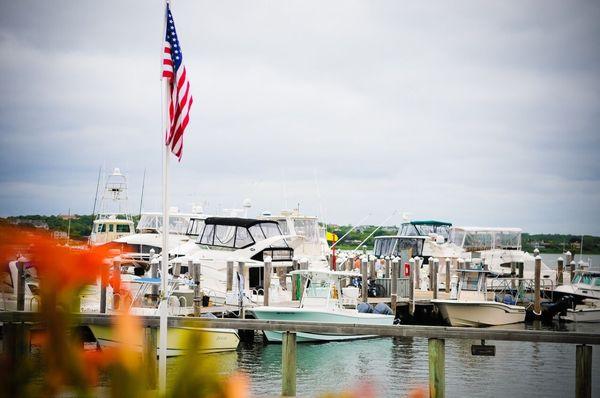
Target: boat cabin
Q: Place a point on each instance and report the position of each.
(478, 239)
(152, 223)
(233, 233)
(322, 288)
(110, 228)
(472, 284)
(425, 228)
(411, 238)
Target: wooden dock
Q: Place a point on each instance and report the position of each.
(17, 324)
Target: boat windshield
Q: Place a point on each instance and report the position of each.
(424, 229)
(583, 278)
(152, 223)
(195, 227)
(308, 229)
(393, 246)
(318, 289)
(486, 239)
(239, 236)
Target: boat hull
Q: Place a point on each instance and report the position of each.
(479, 313)
(178, 339)
(315, 315)
(591, 315)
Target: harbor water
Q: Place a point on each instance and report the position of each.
(394, 366)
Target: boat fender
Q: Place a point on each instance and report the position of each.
(364, 308)
(383, 309)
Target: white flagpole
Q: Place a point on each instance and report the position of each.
(162, 355)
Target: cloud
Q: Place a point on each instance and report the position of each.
(480, 114)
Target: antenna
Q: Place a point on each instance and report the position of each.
(96, 196)
(375, 230)
(142, 195)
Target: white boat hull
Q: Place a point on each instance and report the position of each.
(479, 313)
(591, 315)
(319, 315)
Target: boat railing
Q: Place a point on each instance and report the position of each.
(521, 289)
(402, 287)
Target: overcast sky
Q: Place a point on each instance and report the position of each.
(480, 113)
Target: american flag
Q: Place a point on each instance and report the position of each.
(180, 99)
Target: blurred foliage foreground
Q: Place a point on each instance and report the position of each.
(63, 367)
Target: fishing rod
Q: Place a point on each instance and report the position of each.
(376, 229)
(96, 196)
(351, 229)
(142, 195)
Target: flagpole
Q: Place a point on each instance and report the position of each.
(162, 354)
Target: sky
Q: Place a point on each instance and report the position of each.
(479, 113)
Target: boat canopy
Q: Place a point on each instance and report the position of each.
(152, 223)
(392, 246)
(424, 228)
(486, 238)
(238, 233)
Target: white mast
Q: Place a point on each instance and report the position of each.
(162, 354)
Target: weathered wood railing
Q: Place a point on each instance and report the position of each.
(16, 325)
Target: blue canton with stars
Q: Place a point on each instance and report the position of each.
(171, 37)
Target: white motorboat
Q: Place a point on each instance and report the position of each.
(178, 338)
(321, 302)
(587, 311)
(472, 306)
(585, 285)
(113, 219)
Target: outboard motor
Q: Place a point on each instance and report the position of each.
(364, 308)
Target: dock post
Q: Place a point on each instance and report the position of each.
(437, 359)
(196, 270)
(411, 286)
(394, 285)
(430, 266)
(583, 371)
(116, 277)
(21, 284)
(447, 283)
(154, 275)
(177, 269)
(418, 263)
(229, 286)
(434, 279)
(513, 275)
(363, 271)
(537, 306)
(559, 271)
(372, 273)
(388, 264)
(288, 364)
(242, 287)
(149, 355)
(295, 279)
(569, 257)
(572, 270)
(103, 283)
(304, 266)
(267, 280)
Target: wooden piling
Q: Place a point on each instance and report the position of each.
(411, 286)
(571, 270)
(583, 371)
(149, 357)
(447, 283)
(267, 280)
(434, 279)
(116, 277)
(394, 276)
(196, 271)
(154, 275)
(468, 263)
(177, 269)
(21, 285)
(242, 288)
(388, 266)
(288, 364)
(103, 283)
(513, 274)
(229, 286)
(437, 359)
(372, 272)
(559, 271)
(417, 272)
(537, 306)
(364, 283)
(295, 280)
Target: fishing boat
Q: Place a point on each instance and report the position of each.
(321, 302)
(587, 311)
(472, 307)
(585, 285)
(113, 220)
(178, 338)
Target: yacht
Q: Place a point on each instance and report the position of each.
(237, 239)
(471, 307)
(587, 311)
(113, 219)
(322, 301)
(314, 246)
